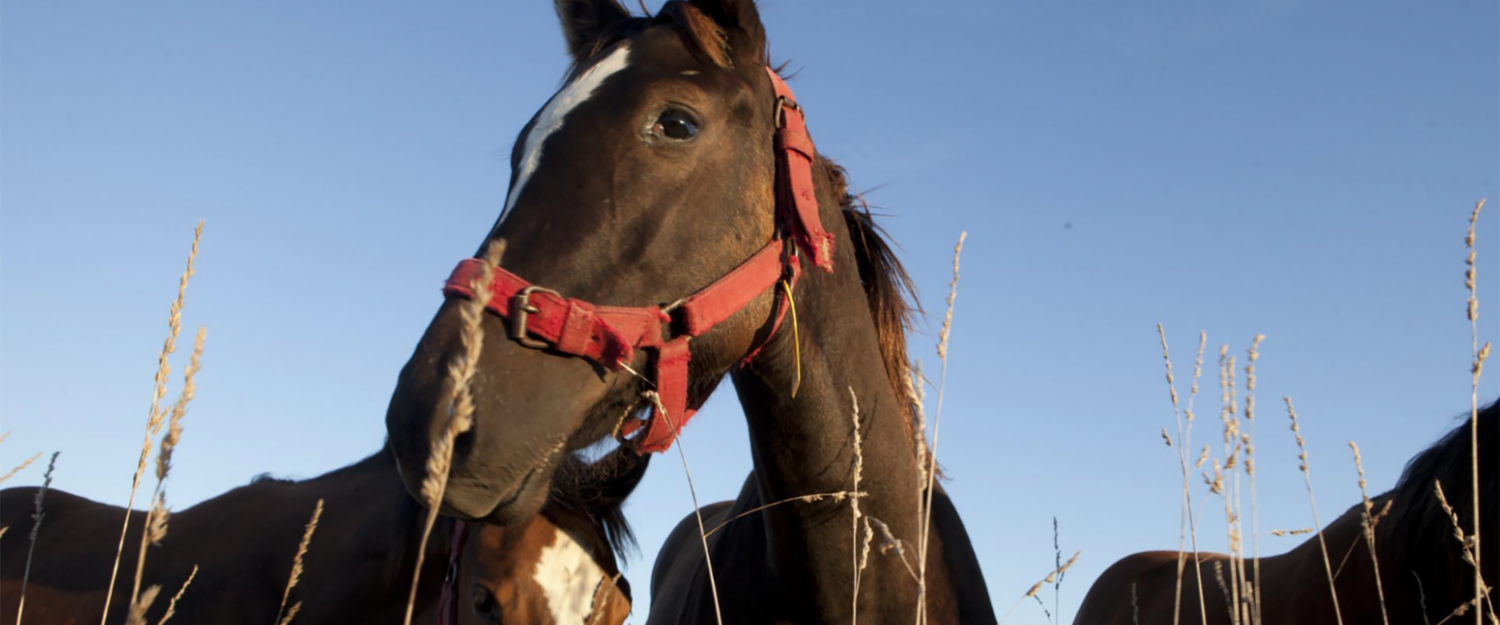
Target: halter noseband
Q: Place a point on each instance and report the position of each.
(541, 318)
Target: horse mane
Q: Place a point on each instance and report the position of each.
(1422, 531)
(889, 289)
(588, 495)
(267, 478)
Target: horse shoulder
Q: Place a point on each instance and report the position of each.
(681, 552)
(965, 574)
(678, 562)
(1137, 581)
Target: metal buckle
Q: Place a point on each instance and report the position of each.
(520, 307)
(782, 103)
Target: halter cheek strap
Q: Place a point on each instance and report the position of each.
(541, 318)
(448, 603)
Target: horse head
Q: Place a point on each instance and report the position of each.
(561, 566)
(640, 194)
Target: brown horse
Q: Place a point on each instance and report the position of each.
(358, 567)
(1422, 572)
(680, 589)
(669, 196)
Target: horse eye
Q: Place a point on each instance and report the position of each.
(484, 601)
(675, 124)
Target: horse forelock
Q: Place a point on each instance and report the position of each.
(1422, 531)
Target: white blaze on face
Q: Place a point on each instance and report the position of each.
(568, 576)
(550, 120)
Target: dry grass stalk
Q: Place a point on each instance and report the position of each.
(1057, 585)
(1050, 578)
(1219, 576)
(1135, 606)
(172, 605)
(296, 576)
(1368, 520)
(713, 584)
(1295, 532)
(816, 497)
(1421, 598)
(916, 395)
(460, 406)
(36, 526)
(1187, 524)
(1252, 357)
(156, 516)
(290, 614)
(4, 436)
(1471, 280)
(1228, 489)
(1470, 545)
(937, 422)
(858, 470)
(20, 468)
(154, 417)
(889, 543)
(864, 554)
(1307, 477)
(141, 604)
(179, 408)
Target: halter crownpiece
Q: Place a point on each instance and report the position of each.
(609, 335)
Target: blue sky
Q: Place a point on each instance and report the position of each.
(1299, 169)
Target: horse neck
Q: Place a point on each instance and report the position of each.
(366, 509)
(1296, 583)
(805, 444)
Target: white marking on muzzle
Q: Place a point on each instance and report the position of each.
(550, 120)
(568, 576)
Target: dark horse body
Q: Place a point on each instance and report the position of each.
(1414, 542)
(650, 175)
(680, 589)
(357, 569)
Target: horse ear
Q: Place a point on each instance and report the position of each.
(739, 20)
(585, 21)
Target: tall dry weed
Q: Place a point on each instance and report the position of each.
(708, 562)
(1471, 280)
(283, 615)
(1252, 357)
(1367, 522)
(858, 469)
(1307, 477)
(21, 467)
(937, 420)
(36, 527)
(460, 406)
(157, 515)
(154, 417)
(172, 605)
(1187, 523)
(1037, 587)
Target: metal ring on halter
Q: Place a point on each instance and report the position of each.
(520, 307)
(783, 102)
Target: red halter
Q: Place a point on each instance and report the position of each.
(609, 335)
(448, 602)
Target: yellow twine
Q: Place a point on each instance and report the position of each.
(796, 338)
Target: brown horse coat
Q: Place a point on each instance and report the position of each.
(1421, 571)
(357, 569)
